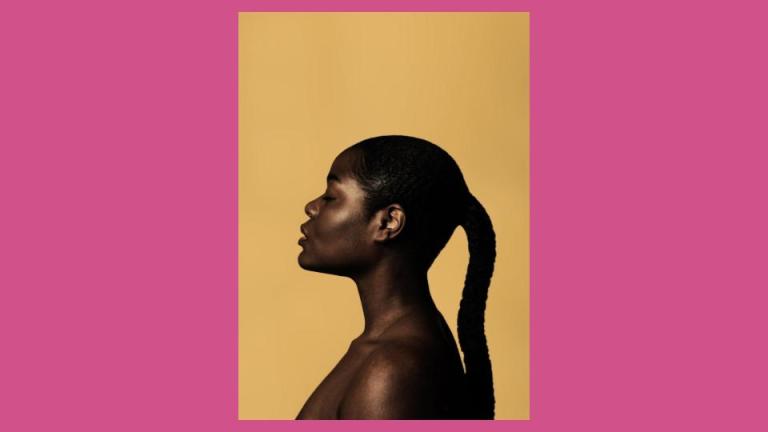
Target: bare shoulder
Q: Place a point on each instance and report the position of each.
(396, 361)
(396, 381)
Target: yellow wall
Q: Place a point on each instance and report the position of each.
(310, 85)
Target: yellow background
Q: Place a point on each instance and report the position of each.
(312, 84)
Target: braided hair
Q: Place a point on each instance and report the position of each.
(428, 183)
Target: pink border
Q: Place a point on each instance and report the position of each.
(118, 241)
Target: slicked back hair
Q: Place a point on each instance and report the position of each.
(426, 181)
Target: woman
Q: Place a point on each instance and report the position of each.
(391, 205)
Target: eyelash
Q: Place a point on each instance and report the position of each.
(327, 198)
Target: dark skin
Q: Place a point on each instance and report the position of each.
(405, 364)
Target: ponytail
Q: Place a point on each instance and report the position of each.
(471, 321)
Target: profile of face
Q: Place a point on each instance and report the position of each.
(338, 237)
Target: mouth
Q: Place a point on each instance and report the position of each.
(304, 237)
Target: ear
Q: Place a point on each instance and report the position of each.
(389, 222)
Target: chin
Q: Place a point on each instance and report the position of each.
(306, 263)
(302, 260)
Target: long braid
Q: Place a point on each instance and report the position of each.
(471, 321)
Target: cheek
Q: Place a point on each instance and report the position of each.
(342, 232)
(333, 224)
(337, 245)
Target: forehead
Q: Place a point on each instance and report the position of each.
(342, 175)
(344, 164)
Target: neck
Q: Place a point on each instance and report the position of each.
(389, 291)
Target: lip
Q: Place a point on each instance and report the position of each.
(302, 240)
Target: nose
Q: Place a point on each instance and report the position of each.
(311, 208)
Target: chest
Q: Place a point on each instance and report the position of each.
(325, 400)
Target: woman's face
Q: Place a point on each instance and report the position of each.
(337, 237)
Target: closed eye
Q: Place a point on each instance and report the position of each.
(328, 198)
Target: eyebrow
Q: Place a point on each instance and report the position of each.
(332, 177)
